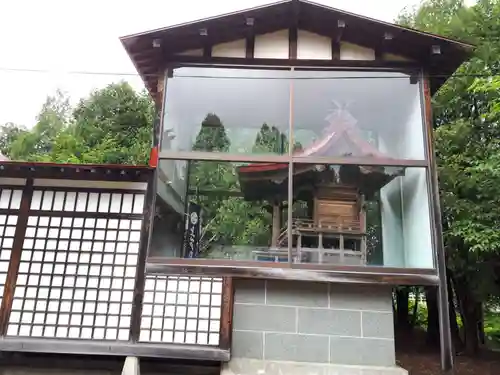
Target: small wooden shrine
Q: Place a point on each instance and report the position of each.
(333, 229)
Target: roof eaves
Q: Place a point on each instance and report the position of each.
(208, 19)
(389, 24)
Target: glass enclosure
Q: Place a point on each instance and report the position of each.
(313, 167)
(368, 114)
(224, 110)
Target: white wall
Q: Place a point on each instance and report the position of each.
(312, 46)
(272, 45)
(349, 51)
(236, 48)
(275, 45)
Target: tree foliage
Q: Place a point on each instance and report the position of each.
(467, 115)
(112, 126)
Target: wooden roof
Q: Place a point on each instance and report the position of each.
(151, 50)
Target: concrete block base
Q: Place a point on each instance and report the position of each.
(240, 366)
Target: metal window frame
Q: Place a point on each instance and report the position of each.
(334, 273)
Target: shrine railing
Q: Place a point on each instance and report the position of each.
(72, 277)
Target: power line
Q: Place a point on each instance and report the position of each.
(48, 71)
(128, 74)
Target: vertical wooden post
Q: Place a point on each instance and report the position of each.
(15, 256)
(299, 248)
(443, 307)
(341, 242)
(276, 224)
(320, 246)
(146, 232)
(362, 227)
(226, 318)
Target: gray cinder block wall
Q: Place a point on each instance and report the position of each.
(313, 322)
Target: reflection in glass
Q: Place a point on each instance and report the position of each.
(361, 215)
(242, 111)
(342, 215)
(357, 114)
(222, 214)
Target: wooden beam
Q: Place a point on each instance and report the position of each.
(15, 257)
(447, 352)
(175, 61)
(335, 49)
(145, 240)
(292, 43)
(226, 322)
(336, 39)
(114, 348)
(207, 50)
(112, 363)
(295, 271)
(276, 220)
(250, 46)
(384, 45)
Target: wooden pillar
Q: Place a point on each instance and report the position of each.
(447, 354)
(15, 257)
(276, 224)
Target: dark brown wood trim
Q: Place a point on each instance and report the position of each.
(405, 66)
(301, 272)
(335, 50)
(116, 173)
(379, 52)
(92, 347)
(207, 50)
(88, 190)
(292, 43)
(226, 322)
(110, 362)
(13, 187)
(104, 215)
(336, 38)
(146, 232)
(15, 257)
(444, 321)
(250, 46)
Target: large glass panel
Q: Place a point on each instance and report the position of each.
(222, 210)
(361, 215)
(372, 115)
(238, 111)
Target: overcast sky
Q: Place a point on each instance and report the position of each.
(62, 36)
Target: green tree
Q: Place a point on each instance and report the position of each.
(212, 136)
(115, 125)
(270, 140)
(229, 220)
(466, 111)
(36, 144)
(9, 132)
(112, 126)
